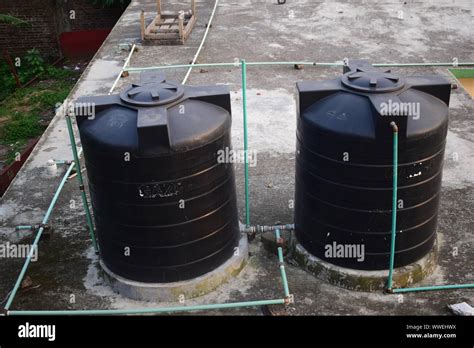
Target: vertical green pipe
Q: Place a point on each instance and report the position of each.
(282, 265)
(394, 204)
(246, 161)
(81, 183)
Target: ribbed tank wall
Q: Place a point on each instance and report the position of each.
(344, 176)
(163, 212)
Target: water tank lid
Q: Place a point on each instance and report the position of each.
(152, 93)
(369, 79)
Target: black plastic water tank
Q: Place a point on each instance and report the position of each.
(164, 206)
(344, 165)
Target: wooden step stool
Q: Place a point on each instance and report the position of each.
(169, 28)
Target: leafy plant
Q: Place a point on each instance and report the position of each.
(7, 82)
(14, 21)
(34, 62)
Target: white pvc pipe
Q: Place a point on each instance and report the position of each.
(202, 43)
(122, 70)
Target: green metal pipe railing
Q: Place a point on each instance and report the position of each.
(183, 66)
(434, 288)
(151, 310)
(80, 312)
(394, 204)
(389, 288)
(243, 65)
(80, 181)
(24, 227)
(282, 263)
(285, 300)
(38, 237)
(290, 63)
(402, 65)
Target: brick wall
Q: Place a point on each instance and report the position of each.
(48, 19)
(42, 32)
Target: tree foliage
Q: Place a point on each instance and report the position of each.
(11, 20)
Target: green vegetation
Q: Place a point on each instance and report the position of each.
(463, 73)
(14, 21)
(25, 112)
(31, 65)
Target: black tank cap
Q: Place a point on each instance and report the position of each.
(369, 79)
(153, 90)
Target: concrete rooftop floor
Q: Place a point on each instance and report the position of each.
(323, 31)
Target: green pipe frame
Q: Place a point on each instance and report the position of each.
(243, 64)
(38, 237)
(151, 310)
(394, 204)
(246, 160)
(18, 228)
(316, 64)
(389, 288)
(283, 301)
(80, 181)
(286, 300)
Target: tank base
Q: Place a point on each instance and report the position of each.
(360, 280)
(178, 291)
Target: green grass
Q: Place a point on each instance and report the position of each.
(24, 108)
(462, 73)
(21, 127)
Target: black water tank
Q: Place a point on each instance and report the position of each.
(164, 206)
(344, 165)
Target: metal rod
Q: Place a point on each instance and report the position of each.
(282, 265)
(81, 183)
(151, 310)
(246, 160)
(454, 65)
(394, 228)
(8, 58)
(394, 204)
(335, 64)
(172, 309)
(202, 42)
(18, 228)
(127, 61)
(37, 238)
(180, 66)
(315, 64)
(435, 288)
